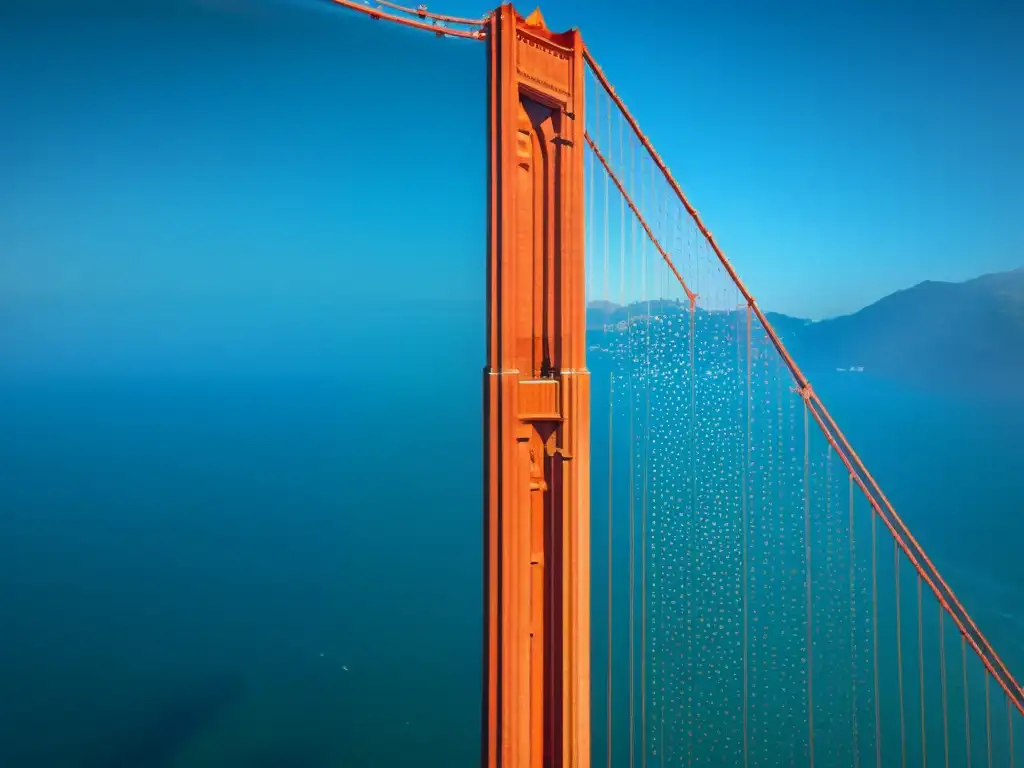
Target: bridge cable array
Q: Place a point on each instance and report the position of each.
(660, 346)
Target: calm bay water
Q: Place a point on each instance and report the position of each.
(285, 570)
(291, 556)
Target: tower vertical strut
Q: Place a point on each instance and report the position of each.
(536, 403)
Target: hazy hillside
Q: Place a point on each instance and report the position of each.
(963, 334)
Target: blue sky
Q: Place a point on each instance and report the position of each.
(253, 160)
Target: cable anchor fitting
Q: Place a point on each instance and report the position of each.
(804, 391)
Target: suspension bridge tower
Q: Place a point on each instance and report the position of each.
(537, 403)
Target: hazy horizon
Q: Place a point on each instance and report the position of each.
(769, 310)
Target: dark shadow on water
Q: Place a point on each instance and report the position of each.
(284, 758)
(156, 731)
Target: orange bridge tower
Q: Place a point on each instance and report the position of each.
(536, 403)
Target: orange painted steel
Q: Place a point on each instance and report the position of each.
(423, 13)
(905, 540)
(536, 403)
(376, 13)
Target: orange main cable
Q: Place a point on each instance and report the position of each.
(1006, 681)
(384, 15)
(425, 14)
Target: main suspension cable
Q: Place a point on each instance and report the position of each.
(420, 22)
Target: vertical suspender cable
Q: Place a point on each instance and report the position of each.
(942, 673)
(632, 528)
(807, 581)
(853, 625)
(746, 525)
(691, 522)
(874, 637)
(611, 400)
(988, 720)
(920, 673)
(1009, 726)
(899, 655)
(967, 699)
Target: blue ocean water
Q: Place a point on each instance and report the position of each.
(222, 569)
(295, 557)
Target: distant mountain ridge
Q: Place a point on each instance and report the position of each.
(968, 334)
